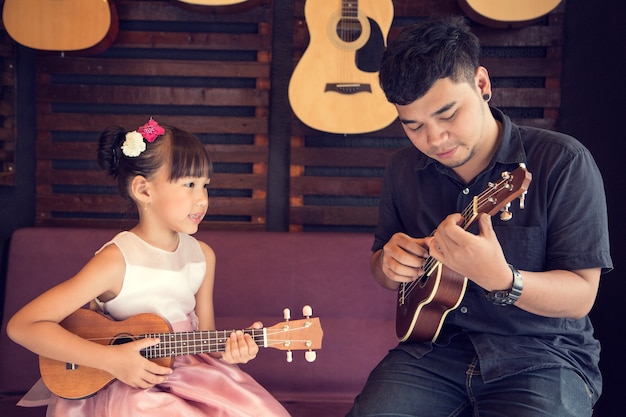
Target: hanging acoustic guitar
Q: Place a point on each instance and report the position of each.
(61, 25)
(334, 87)
(507, 13)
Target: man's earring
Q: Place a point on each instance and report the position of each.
(486, 97)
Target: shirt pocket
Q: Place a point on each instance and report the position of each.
(523, 247)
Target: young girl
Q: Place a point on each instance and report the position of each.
(156, 267)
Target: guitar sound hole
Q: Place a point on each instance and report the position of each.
(349, 30)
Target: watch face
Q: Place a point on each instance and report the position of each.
(508, 297)
(500, 297)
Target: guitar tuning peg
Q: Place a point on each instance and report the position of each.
(287, 314)
(310, 356)
(289, 356)
(307, 311)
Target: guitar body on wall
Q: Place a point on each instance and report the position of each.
(423, 304)
(61, 25)
(74, 381)
(334, 87)
(509, 13)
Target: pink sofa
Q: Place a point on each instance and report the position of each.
(258, 275)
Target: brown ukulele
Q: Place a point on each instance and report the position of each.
(423, 304)
(74, 381)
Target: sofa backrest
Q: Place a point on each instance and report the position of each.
(258, 274)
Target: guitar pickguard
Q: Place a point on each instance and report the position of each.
(369, 56)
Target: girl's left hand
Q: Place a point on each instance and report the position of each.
(240, 348)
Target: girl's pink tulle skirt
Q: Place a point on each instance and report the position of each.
(199, 386)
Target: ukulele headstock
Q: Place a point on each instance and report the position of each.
(303, 334)
(499, 195)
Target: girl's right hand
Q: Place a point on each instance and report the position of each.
(127, 365)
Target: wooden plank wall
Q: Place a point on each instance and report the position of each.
(209, 73)
(205, 72)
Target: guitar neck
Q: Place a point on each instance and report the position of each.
(469, 215)
(349, 9)
(196, 342)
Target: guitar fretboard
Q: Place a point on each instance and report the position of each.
(195, 342)
(349, 9)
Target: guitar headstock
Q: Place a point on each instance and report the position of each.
(499, 194)
(303, 334)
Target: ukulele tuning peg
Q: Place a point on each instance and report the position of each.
(310, 356)
(287, 314)
(307, 311)
(522, 200)
(505, 214)
(289, 356)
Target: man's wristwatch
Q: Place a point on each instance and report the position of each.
(508, 297)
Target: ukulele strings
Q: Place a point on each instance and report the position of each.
(431, 263)
(196, 340)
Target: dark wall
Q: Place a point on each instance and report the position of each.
(17, 203)
(593, 110)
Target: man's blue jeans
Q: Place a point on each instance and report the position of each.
(447, 383)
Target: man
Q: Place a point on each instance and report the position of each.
(519, 342)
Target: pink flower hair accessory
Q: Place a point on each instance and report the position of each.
(151, 130)
(134, 143)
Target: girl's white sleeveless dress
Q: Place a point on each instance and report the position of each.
(164, 283)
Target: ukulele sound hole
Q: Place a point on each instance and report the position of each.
(121, 339)
(349, 30)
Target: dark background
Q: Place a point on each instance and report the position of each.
(592, 109)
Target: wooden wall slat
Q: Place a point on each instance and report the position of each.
(336, 186)
(333, 215)
(87, 150)
(188, 96)
(195, 124)
(189, 40)
(153, 67)
(518, 67)
(51, 177)
(366, 157)
(78, 203)
(526, 97)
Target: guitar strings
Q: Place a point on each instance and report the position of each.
(468, 214)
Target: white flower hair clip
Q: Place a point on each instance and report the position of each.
(134, 144)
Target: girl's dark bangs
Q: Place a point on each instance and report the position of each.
(190, 161)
